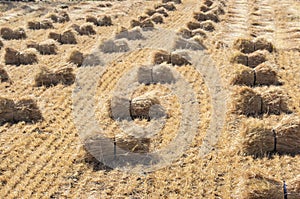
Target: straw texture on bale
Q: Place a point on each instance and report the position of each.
(3, 75)
(114, 46)
(162, 11)
(155, 74)
(161, 57)
(260, 186)
(9, 34)
(239, 58)
(266, 75)
(23, 110)
(76, 57)
(157, 18)
(207, 26)
(247, 101)
(199, 32)
(37, 25)
(47, 47)
(168, 6)
(192, 25)
(61, 17)
(85, 29)
(179, 60)
(256, 58)
(244, 45)
(150, 12)
(133, 144)
(1, 44)
(201, 16)
(263, 44)
(208, 3)
(275, 101)
(47, 78)
(185, 33)
(100, 20)
(14, 57)
(133, 34)
(243, 75)
(67, 37)
(204, 8)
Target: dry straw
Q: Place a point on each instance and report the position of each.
(47, 47)
(243, 75)
(66, 37)
(76, 57)
(61, 17)
(173, 58)
(265, 74)
(261, 186)
(14, 57)
(22, 110)
(8, 33)
(47, 78)
(37, 25)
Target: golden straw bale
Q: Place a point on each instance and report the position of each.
(3, 75)
(6, 110)
(175, 1)
(27, 110)
(168, 6)
(161, 57)
(242, 75)
(9, 34)
(245, 45)
(133, 144)
(256, 58)
(47, 78)
(76, 57)
(157, 18)
(263, 44)
(239, 58)
(265, 74)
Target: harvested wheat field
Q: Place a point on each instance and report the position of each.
(150, 99)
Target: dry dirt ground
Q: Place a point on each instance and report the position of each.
(244, 112)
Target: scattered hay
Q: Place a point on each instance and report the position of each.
(9, 34)
(76, 57)
(67, 37)
(192, 25)
(288, 136)
(168, 6)
(47, 78)
(157, 18)
(47, 47)
(14, 57)
(256, 58)
(175, 1)
(208, 3)
(263, 44)
(207, 26)
(274, 101)
(161, 57)
(265, 75)
(244, 45)
(239, 58)
(24, 110)
(36, 25)
(133, 34)
(243, 76)
(140, 106)
(114, 46)
(3, 75)
(256, 186)
(61, 17)
(247, 102)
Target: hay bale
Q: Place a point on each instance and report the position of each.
(185, 33)
(47, 78)
(29, 56)
(9, 34)
(144, 75)
(265, 75)
(157, 18)
(120, 108)
(192, 25)
(3, 75)
(162, 74)
(27, 110)
(68, 37)
(47, 47)
(247, 102)
(162, 11)
(256, 58)
(239, 58)
(211, 15)
(87, 29)
(76, 57)
(147, 24)
(1, 44)
(218, 10)
(200, 16)
(258, 186)
(134, 23)
(133, 34)
(34, 25)
(274, 101)
(55, 36)
(161, 57)
(11, 56)
(92, 60)
(142, 18)
(6, 110)
(208, 3)
(61, 17)
(199, 32)
(150, 12)
(104, 21)
(259, 139)
(168, 6)
(288, 136)
(140, 106)
(133, 144)
(245, 45)
(92, 19)
(114, 46)
(46, 24)
(207, 26)
(263, 44)
(181, 43)
(175, 1)
(243, 75)
(178, 60)
(204, 8)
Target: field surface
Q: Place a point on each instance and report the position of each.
(194, 98)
